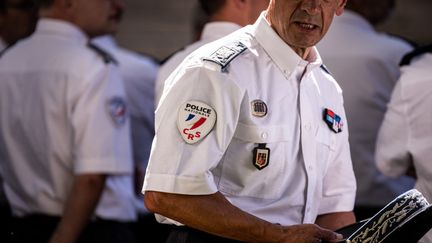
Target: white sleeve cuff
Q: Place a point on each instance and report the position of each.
(203, 185)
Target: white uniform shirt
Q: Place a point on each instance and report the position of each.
(3, 200)
(211, 32)
(365, 64)
(406, 130)
(60, 117)
(310, 170)
(139, 75)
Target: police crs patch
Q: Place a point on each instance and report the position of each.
(116, 107)
(195, 121)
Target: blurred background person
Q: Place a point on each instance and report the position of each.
(17, 20)
(365, 64)
(139, 74)
(224, 17)
(65, 145)
(404, 144)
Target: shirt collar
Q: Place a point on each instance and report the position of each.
(281, 53)
(106, 41)
(215, 30)
(353, 18)
(60, 27)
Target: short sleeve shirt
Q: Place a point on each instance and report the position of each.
(62, 114)
(309, 171)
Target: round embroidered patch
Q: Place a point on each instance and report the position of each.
(195, 121)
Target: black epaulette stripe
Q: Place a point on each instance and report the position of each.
(323, 67)
(225, 54)
(107, 57)
(4, 50)
(406, 60)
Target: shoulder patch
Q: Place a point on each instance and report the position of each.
(107, 57)
(323, 67)
(406, 60)
(225, 54)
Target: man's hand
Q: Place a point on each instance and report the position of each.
(308, 233)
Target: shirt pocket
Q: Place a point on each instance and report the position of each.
(325, 145)
(240, 177)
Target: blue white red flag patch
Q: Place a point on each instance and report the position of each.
(333, 121)
(195, 121)
(117, 110)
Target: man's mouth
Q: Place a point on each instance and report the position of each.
(306, 26)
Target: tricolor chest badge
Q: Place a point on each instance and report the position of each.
(259, 108)
(195, 121)
(333, 121)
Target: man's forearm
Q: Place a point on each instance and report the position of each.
(216, 215)
(83, 198)
(335, 221)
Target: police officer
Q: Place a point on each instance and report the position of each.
(65, 145)
(404, 139)
(225, 17)
(17, 20)
(375, 58)
(251, 139)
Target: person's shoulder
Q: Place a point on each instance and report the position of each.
(415, 54)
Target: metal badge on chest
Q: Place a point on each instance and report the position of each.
(261, 154)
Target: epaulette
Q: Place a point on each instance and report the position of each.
(406, 60)
(323, 67)
(107, 57)
(225, 54)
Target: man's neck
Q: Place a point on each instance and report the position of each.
(302, 52)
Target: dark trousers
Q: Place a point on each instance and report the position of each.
(5, 219)
(149, 230)
(39, 228)
(189, 235)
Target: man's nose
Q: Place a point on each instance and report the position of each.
(312, 7)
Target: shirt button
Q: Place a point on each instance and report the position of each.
(310, 167)
(307, 126)
(308, 210)
(264, 135)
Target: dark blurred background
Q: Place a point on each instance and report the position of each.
(160, 27)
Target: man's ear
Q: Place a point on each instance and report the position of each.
(340, 8)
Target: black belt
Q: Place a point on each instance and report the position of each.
(39, 228)
(183, 234)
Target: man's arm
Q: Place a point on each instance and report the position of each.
(335, 221)
(83, 198)
(216, 215)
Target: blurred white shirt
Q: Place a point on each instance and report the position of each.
(405, 136)
(365, 63)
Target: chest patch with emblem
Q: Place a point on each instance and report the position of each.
(333, 121)
(259, 108)
(195, 121)
(117, 110)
